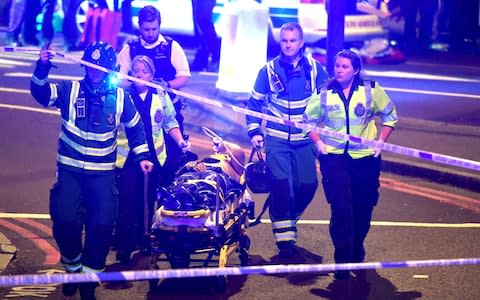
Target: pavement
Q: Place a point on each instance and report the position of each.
(437, 137)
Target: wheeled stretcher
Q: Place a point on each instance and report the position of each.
(203, 216)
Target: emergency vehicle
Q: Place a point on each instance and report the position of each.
(311, 14)
(365, 23)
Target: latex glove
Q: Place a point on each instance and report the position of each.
(146, 166)
(377, 150)
(185, 146)
(257, 141)
(321, 147)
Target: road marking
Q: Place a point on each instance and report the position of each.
(33, 57)
(425, 92)
(52, 256)
(32, 109)
(13, 90)
(394, 182)
(44, 228)
(420, 276)
(50, 76)
(305, 222)
(411, 75)
(14, 62)
(24, 216)
(468, 203)
(401, 90)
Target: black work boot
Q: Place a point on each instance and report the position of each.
(87, 290)
(69, 289)
(286, 249)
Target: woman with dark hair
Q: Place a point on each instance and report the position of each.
(350, 170)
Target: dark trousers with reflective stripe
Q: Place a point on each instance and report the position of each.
(79, 201)
(351, 189)
(294, 182)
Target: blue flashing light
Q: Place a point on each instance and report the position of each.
(113, 79)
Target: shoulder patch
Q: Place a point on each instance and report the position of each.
(372, 83)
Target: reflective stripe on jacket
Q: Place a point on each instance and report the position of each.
(88, 134)
(162, 116)
(356, 117)
(284, 91)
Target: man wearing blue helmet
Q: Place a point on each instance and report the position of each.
(83, 198)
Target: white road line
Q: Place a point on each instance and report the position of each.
(12, 90)
(304, 222)
(411, 75)
(426, 92)
(32, 109)
(14, 62)
(411, 91)
(50, 76)
(15, 56)
(6, 66)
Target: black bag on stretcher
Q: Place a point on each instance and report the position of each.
(101, 24)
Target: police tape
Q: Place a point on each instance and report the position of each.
(405, 151)
(40, 279)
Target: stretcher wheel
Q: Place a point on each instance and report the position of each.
(153, 283)
(221, 284)
(146, 246)
(179, 260)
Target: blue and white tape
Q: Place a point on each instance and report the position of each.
(405, 151)
(38, 279)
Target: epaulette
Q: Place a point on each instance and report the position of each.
(164, 44)
(372, 82)
(133, 41)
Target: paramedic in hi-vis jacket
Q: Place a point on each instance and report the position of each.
(158, 115)
(283, 88)
(84, 196)
(350, 170)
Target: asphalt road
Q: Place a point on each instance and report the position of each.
(416, 219)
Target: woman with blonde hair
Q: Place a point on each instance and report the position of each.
(158, 114)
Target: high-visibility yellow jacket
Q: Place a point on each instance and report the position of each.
(354, 115)
(157, 113)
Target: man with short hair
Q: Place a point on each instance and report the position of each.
(283, 88)
(171, 67)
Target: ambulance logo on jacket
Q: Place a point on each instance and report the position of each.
(158, 116)
(110, 119)
(359, 110)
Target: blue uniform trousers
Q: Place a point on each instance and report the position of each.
(293, 184)
(81, 200)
